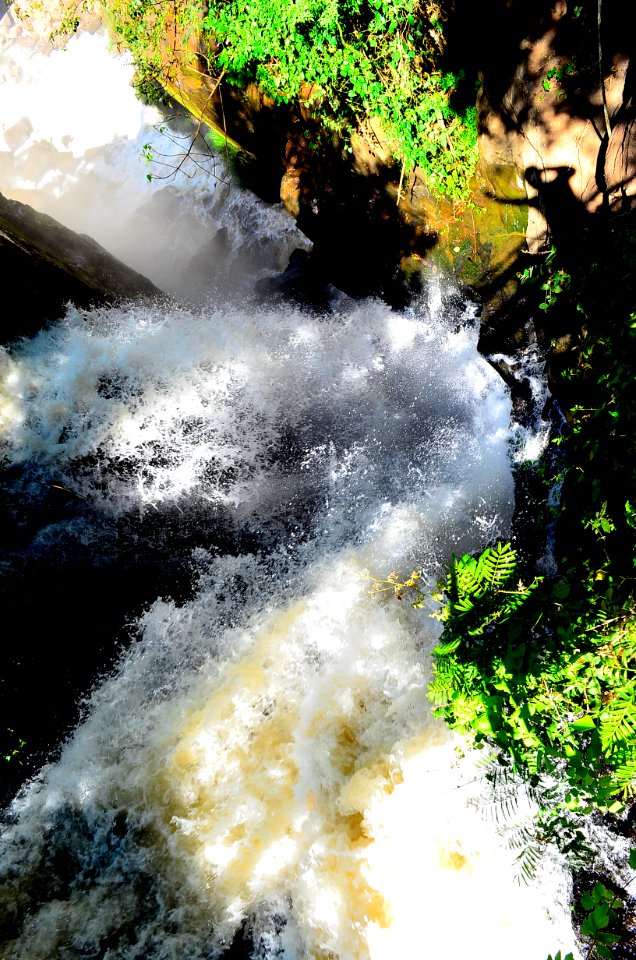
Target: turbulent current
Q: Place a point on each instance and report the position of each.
(261, 772)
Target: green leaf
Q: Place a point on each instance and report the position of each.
(482, 724)
(583, 723)
(600, 892)
(444, 649)
(561, 590)
(608, 938)
(603, 951)
(600, 916)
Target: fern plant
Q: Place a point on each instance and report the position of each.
(480, 591)
(556, 702)
(505, 797)
(477, 593)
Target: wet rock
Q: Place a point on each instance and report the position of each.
(47, 265)
(302, 282)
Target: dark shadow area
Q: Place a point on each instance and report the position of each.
(67, 609)
(360, 236)
(574, 299)
(301, 283)
(489, 42)
(576, 239)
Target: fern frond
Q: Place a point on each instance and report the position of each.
(463, 606)
(497, 565)
(618, 722)
(528, 860)
(626, 776)
(461, 578)
(444, 682)
(444, 649)
(468, 579)
(506, 793)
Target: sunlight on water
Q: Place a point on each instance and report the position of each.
(72, 138)
(263, 761)
(296, 774)
(257, 409)
(286, 772)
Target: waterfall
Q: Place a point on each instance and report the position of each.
(261, 771)
(76, 143)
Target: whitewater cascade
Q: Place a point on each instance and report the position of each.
(263, 762)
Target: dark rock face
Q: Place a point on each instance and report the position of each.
(302, 283)
(557, 147)
(47, 265)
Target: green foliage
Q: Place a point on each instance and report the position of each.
(553, 279)
(544, 679)
(345, 61)
(348, 60)
(148, 87)
(556, 694)
(589, 619)
(552, 686)
(556, 77)
(13, 746)
(157, 33)
(565, 705)
(602, 908)
(602, 921)
(479, 592)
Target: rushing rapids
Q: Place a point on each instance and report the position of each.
(261, 771)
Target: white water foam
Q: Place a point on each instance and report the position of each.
(286, 772)
(294, 780)
(72, 138)
(249, 407)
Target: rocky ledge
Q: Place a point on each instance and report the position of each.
(48, 265)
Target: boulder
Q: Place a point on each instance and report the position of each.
(46, 266)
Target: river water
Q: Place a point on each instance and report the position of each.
(261, 769)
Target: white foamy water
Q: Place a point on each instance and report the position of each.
(258, 410)
(264, 759)
(72, 144)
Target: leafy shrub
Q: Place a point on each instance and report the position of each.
(549, 683)
(343, 60)
(352, 59)
(558, 696)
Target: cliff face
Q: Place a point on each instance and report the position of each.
(563, 110)
(376, 227)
